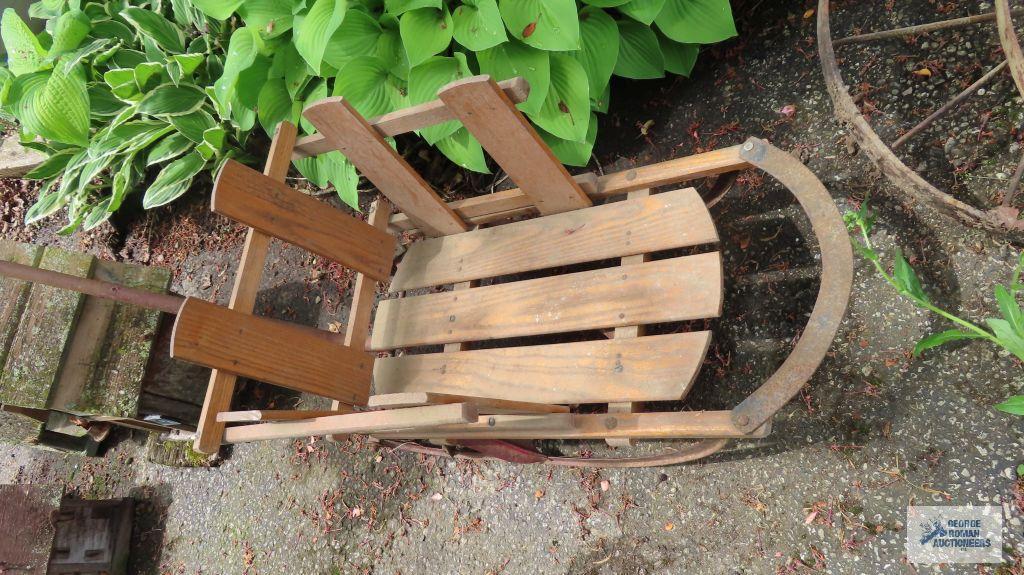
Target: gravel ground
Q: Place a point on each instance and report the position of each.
(874, 431)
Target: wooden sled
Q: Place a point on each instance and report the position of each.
(468, 366)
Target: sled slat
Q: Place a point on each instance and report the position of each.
(270, 351)
(273, 207)
(664, 425)
(675, 289)
(652, 368)
(349, 132)
(506, 135)
(485, 405)
(366, 422)
(409, 119)
(663, 221)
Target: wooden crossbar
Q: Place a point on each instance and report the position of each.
(221, 388)
(349, 132)
(274, 208)
(504, 132)
(663, 425)
(366, 422)
(270, 351)
(278, 414)
(409, 119)
(515, 203)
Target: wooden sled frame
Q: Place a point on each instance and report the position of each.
(236, 343)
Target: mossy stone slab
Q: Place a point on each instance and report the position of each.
(36, 352)
(14, 292)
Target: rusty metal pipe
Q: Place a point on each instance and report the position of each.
(150, 300)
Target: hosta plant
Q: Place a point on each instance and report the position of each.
(126, 94)
(1006, 332)
(117, 95)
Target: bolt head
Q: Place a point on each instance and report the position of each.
(748, 146)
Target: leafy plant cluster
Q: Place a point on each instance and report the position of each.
(116, 95)
(1006, 332)
(116, 92)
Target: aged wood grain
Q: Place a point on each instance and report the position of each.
(635, 226)
(675, 289)
(14, 292)
(652, 368)
(485, 405)
(270, 351)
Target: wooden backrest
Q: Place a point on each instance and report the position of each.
(487, 109)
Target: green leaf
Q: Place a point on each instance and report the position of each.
(566, 110)
(168, 148)
(218, 9)
(171, 100)
(316, 93)
(1010, 309)
(357, 36)
(545, 24)
(937, 339)
(49, 202)
(399, 7)
(128, 58)
(22, 94)
(332, 168)
(193, 125)
(188, 62)
(173, 180)
(165, 33)
(72, 60)
(274, 105)
(124, 180)
(679, 58)
(513, 59)
(97, 215)
(605, 3)
(697, 21)
(600, 103)
(1013, 405)
(599, 47)
(148, 75)
(1010, 340)
(314, 28)
(644, 11)
(425, 32)
(270, 17)
(573, 153)
(24, 54)
(242, 50)
(463, 149)
(62, 108)
(70, 29)
(906, 280)
(122, 82)
(364, 83)
(424, 82)
(46, 9)
(640, 54)
(251, 80)
(478, 24)
(113, 30)
(392, 51)
(52, 166)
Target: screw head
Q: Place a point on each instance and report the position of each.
(743, 420)
(748, 146)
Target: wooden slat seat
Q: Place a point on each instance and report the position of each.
(659, 222)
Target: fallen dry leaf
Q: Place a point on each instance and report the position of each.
(538, 494)
(605, 485)
(670, 526)
(808, 13)
(923, 72)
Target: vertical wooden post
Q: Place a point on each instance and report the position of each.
(365, 147)
(506, 135)
(210, 432)
(628, 331)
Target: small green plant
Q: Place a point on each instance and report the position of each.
(117, 88)
(1006, 331)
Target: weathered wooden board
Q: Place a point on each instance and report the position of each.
(26, 521)
(661, 425)
(107, 356)
(278, 414)
(659, 367)
(14, 292)
(274, 208)
(484, 405)
(675, 289)
(635, 226)
(270, 351)
(37, 350)
(348, 132)
(508, 137)
(366, 422)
